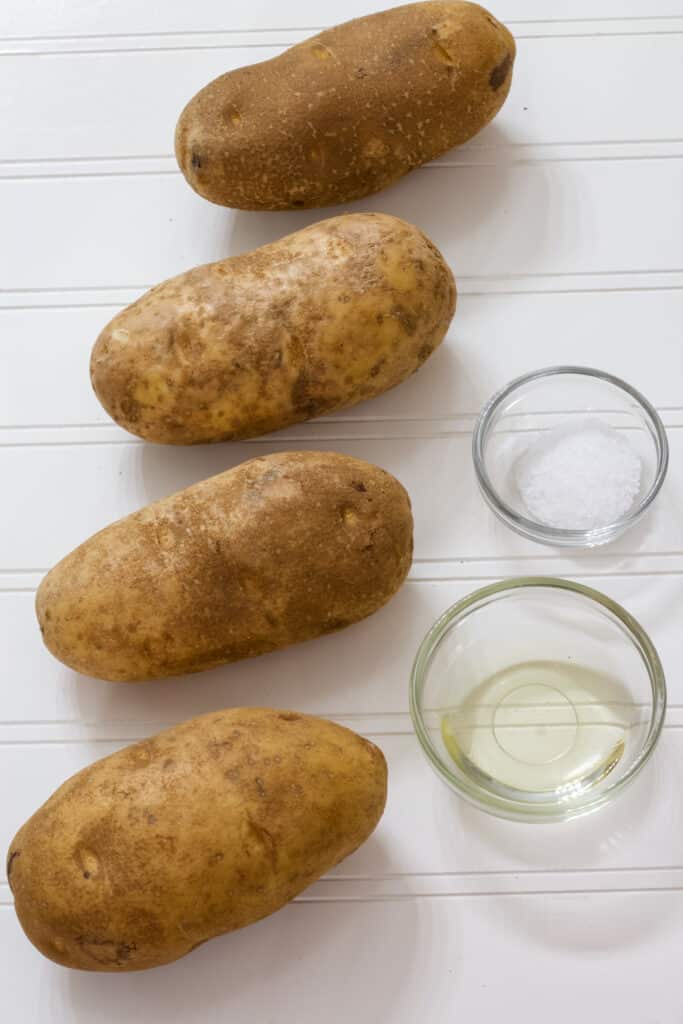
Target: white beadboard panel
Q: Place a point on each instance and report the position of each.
(429, 830)
(563, 224)
(63, 493)
(493, 338)
(361, 671)
(535, 959)
(45, 355)
(21, 18)
(556, 218)
(109, 119)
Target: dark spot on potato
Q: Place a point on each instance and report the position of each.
(10, 862)
(334, 624)
(500, 72)
(196, 160)
(361, 73)
(216, 747)
(260, 786)
(105, 951)
(168, 764)
(358, 486)
(407, 320)
(301, 399)
(289, 716)
(424, 352)
(233, 774)
(265, 839)
(151, 819)
(48, 614)
(216, 858)
(297, 202)
(86, 874)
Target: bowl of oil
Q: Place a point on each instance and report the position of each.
(537, 699)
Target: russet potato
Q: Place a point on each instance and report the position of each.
(349, 111)
(280, 549)
(320, 320)
(202, 829)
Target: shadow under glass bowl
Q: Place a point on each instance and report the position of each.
(537, 699)
(558, 397)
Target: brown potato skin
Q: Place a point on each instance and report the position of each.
(278, 550)
(349, 111)
(318, 321)
(202, 829)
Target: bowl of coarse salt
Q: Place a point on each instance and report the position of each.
(569, 456)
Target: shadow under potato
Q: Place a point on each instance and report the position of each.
(285, 967)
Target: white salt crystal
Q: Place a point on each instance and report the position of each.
(581, 475)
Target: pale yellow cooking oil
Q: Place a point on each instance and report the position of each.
(540, 728)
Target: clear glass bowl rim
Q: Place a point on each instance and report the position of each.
(530, 527)
(499, 805)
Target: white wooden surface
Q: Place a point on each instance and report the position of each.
(564, 225)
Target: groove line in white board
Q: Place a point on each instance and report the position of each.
(523, 275)
(298, 439)
(502, 893)
(318, 424)
(315, 28)
(302, 901)
(673, 140)
(464, 279)
(462, 291)
(486, 577)
(606, 574)
(390, 876)
(564, 28)
(321, 28)
(165, 171)
(588, 557)
(668, 727)
(341, 421)
(142, 287)
(443, 165)
(659, 882)
(169, 156)
(141, 729)
(199, 47)
(527, 291)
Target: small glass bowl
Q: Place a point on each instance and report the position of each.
(519, 414)
(537, 699)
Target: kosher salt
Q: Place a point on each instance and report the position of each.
(581, 475)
